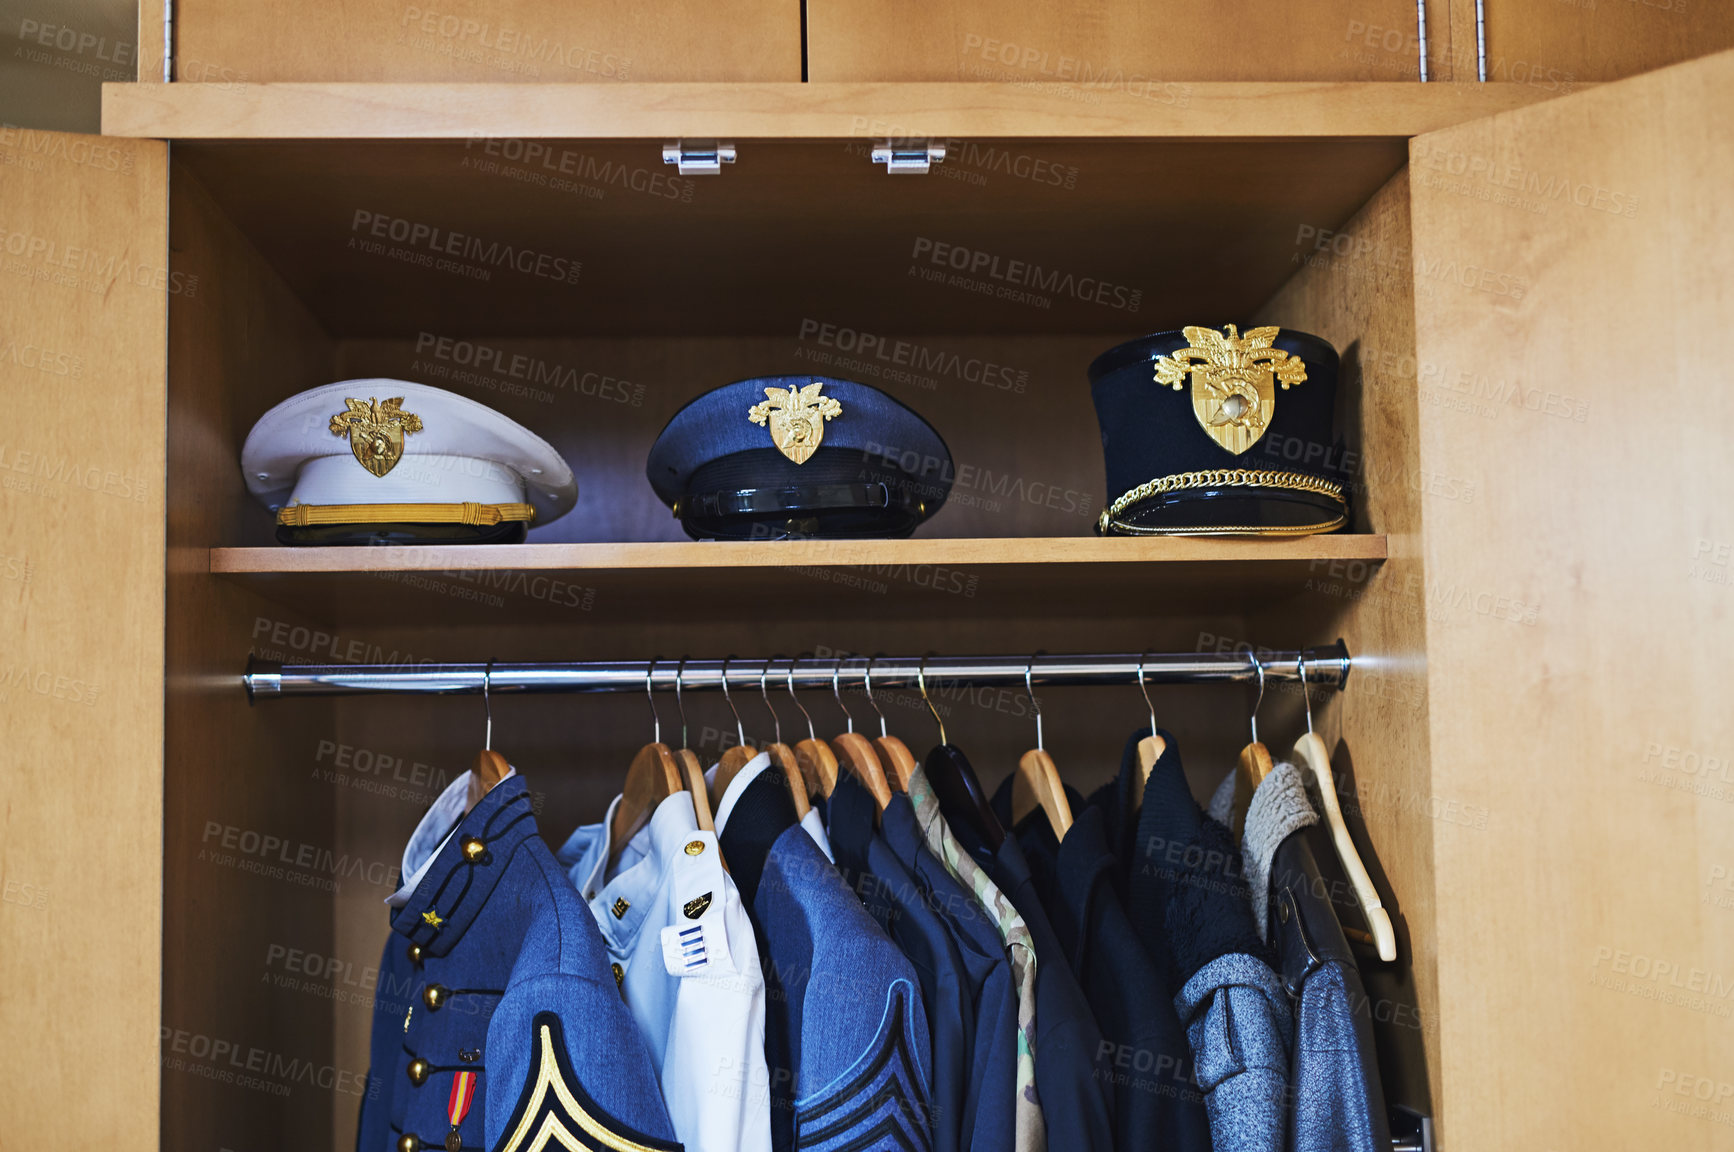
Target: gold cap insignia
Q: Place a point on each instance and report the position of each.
(695, 908)
(1234, 380)
(433, 918)
(796, 419)
(376, 430)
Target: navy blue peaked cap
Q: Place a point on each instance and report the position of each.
(1220, 431)
(799, 456)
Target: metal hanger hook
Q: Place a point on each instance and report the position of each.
(776, 721)
(867, 681)
(678, 702)
(1257, 666)
(1144, 688)
(811, 735)
(1030, 691)
(650, 695)
(836, 670)
(921, 681)
(740, 731)
(1300, 663)
(488, 705)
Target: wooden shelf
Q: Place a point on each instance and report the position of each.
(740, 111)
(1065, 576)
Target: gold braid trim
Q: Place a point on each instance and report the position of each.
(1222, 478)
(306, 515)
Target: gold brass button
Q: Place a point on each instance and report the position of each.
(435, 994)
(474, 849)
(415, 953)
(418, 1071)
(695, 848)
(408, 1143)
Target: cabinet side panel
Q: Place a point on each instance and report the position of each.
(1572, 371)
(1151, 48)
(1355, 289)
(82, 301)
(250, 866)
(503, 41)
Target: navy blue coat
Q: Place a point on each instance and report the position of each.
(988, 1121)
(894, 900)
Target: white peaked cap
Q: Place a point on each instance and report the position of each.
(456, 452)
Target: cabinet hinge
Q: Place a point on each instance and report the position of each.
(698, 157)
(912, 156)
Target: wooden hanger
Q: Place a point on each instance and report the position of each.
(653, 776)
(1255, 763)
(490, 767)
(856, 756)
(955, 783)
(1037, 781)
(1151, 747)
(893, 753)
(691, 771)
(813, 757)
(782, 756)
(737, 757)
(1310, 750)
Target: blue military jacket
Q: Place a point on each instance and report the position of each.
(515, 1038)
(989, 1106)
(845, 1032)
(896, 903)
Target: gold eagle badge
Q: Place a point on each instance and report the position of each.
(1234, 380)
(376, 430)
(796, 419)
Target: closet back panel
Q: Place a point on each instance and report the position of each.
(81, 647)
(250, 863)
(1579, 695)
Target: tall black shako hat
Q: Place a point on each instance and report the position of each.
(804, 456)
(1208, 432)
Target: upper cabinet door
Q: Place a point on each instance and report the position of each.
(84, 288)
(484, 41)
(1574, 274)
(1150, 48)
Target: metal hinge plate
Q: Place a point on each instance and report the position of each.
(698, 157)
(915, 157)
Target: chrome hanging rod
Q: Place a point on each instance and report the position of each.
(1326, 667)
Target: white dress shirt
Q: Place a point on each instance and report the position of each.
(685, 957)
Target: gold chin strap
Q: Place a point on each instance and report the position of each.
(1110, 520)
(308, 515)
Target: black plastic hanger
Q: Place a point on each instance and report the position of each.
(954, 782)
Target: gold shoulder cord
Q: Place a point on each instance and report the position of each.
(306, 515)
(1222, 478)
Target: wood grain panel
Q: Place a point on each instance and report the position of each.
(84, 279)
(1585, 935)
(250, 858)
(1357, 290)
(743, 111)
(1558, 47)
(229, 42)
(1136, 45)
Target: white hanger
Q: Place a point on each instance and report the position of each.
(1310, 750)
